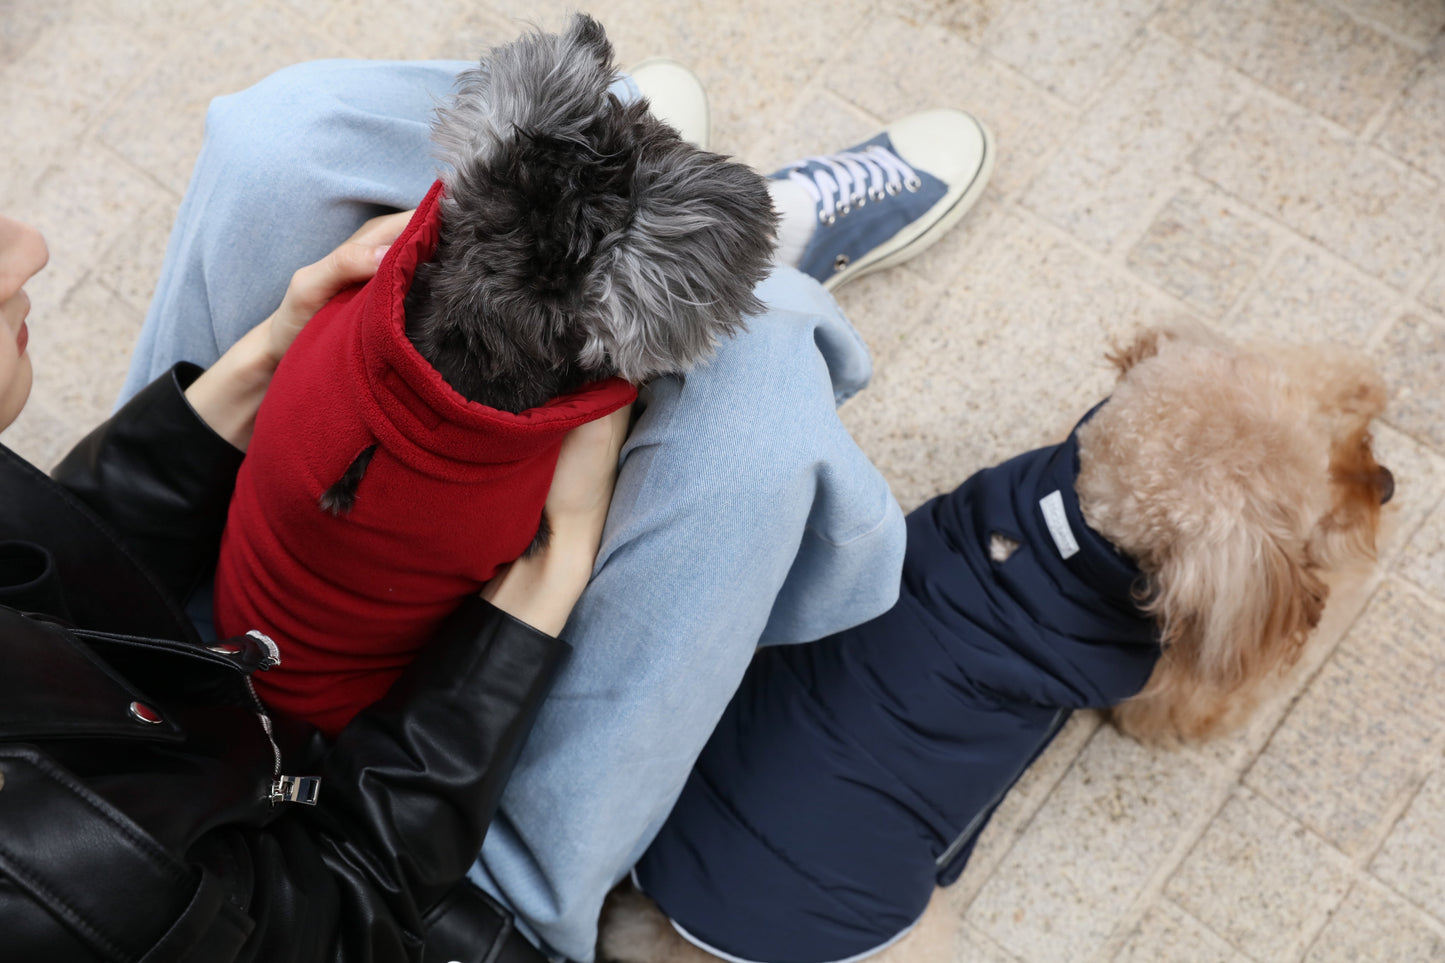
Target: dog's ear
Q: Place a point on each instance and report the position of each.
(1242, 607)
(1349, 393)
(1359, 486)
(554, 83)
(585, 34)
(1233, 610)
(681, 274)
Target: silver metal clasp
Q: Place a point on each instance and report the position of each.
(254, 650)
(296, 789)
(273, 651)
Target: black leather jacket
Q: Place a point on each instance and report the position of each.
(137, 776)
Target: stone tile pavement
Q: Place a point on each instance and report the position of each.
(1268, 166)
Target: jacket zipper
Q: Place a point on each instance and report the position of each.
(297, 789)
(1057, 723)
(283, 788)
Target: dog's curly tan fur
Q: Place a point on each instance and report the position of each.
(1238, 478)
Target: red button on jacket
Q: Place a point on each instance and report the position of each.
(454, 491)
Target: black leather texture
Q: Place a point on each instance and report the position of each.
(135, 764)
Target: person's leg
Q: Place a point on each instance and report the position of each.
(737, 484)
(786, 512)
(289, 169)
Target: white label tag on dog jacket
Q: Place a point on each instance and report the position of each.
(1052, 505)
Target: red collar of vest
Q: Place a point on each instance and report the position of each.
(410, 407)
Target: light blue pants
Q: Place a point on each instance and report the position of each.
(744, 513)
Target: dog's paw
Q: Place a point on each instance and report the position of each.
(633, 930)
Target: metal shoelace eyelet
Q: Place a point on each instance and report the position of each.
(893, 187)
(840, 262)
(876, 193)
(844, 210)
(827, 218)
(859, 199)
(913, 184)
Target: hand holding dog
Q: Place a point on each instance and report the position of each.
(353, 262)
(228, 394)
(541, 587)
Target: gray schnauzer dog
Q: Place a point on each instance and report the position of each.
(581, 237)
(573, 240)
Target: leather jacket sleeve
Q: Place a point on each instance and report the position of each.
(421, 772)
(161, 478)
(407, 793)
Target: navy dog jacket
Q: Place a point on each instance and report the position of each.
(849, 776)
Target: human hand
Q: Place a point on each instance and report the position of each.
(541, 588)
(228, 394)
(582, 483)
(354, 262)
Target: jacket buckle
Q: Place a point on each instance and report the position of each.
(296, 789)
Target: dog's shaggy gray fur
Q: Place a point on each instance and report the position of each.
(581, 237)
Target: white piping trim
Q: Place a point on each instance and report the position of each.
(738, 959)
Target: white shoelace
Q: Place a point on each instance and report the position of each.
(843, 181)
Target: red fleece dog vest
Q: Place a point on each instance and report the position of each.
(454, 490)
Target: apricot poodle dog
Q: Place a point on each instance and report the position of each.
(1167, 562)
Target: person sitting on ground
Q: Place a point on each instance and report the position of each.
(744, 512)
(149, 807)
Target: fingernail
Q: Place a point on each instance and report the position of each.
(381, 252)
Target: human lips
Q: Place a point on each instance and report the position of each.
(14, 311)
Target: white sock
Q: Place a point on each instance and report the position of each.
(797, 216)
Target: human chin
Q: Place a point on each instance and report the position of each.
(15, 370)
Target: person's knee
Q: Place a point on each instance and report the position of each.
(280, 115)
